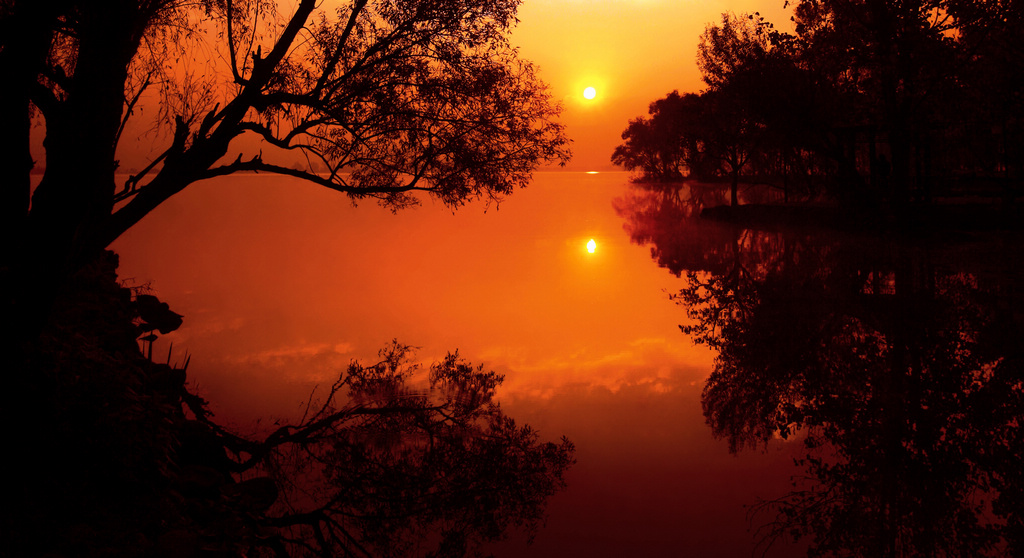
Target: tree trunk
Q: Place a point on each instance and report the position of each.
(26, 32)
(75, 195)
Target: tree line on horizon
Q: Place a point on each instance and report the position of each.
(867, 102)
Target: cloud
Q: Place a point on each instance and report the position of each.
(302, 362)
(659, 363)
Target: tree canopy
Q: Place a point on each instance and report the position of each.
(877, 104)
(375, 99)
(663, 147)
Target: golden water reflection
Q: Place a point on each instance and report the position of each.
(282, 285)
(280, 288)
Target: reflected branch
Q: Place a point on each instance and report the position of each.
(379, 466)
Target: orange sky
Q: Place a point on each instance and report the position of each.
(632, 51)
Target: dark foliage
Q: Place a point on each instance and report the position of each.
(899, 372)
(876, 104)
(893, 362)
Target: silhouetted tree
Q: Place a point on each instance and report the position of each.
(694, 136)
(669, 144)
(655, 154)
(989, 138)
(371, 98)
(768, 118)
(716, 133)
(379, 99)
(878, 103)
(914, 83)
(895, 55)
(731, 137)
(730, 48)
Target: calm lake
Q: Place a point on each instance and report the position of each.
(894, 368)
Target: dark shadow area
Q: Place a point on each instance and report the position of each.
(114, 456)
(896, 363)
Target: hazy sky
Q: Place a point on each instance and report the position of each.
(632, 51)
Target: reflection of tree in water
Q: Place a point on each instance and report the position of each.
(899, 368)
(665, 216)
(902, 378)
(402, 471)
(390, 462)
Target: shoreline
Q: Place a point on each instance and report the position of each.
(937, 217)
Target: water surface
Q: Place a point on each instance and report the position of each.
(896, 359)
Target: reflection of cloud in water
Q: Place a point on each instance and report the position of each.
(278, 380)
(283, 355)
(274, 382)
(657, 362)
(645, 458)
(310, 362)
(274, 282)
(202, 324)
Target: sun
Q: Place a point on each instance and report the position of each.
(589, 93)
(591, 246)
